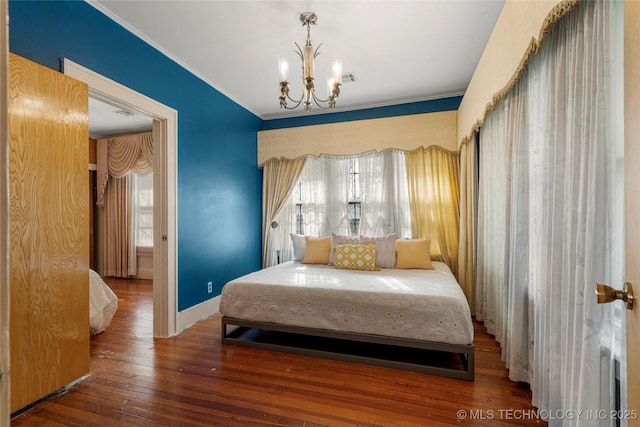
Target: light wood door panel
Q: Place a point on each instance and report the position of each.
(49, 230)
(4, 223)
(632, 197)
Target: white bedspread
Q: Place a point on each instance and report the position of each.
(103, 303)
(427, 305)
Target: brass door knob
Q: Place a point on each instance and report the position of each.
(607, 294)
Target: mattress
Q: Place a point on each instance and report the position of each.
(426, 305)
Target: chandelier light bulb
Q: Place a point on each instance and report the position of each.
(283, 67)
(330, 81)
(336, 68)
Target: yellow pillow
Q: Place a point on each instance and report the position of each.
(317, 251)
(413, 253)
(355, 257)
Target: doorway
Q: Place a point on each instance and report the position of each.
(164, 129)
(112, 121)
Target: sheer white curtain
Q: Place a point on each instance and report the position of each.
(333, 181)
(325, 190)
(385, 195)
(548, 222)
(382, 181)
(502, 277)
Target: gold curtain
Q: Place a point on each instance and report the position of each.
(467, 245)
(433, 175)
(116, 245)
(279, 179)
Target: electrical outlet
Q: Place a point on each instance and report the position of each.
(209, 287)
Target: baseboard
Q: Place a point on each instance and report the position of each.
(197, 313)
(144, 273)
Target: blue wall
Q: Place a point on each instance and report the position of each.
(219, 183)
(433, 106)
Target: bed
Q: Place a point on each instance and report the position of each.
(374, 315)
(103, 303)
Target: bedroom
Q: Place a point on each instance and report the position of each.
(195, 255)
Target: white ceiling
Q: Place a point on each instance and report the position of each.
(400, 51)
(108, 120)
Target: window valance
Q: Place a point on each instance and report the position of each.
(117, 156)
(517, 36)
(405, 133)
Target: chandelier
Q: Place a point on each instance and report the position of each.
(307, 55)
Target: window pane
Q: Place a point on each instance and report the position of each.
(299, 219)
(143, 209)
(145, 220)
(355, 209)
(354, 179)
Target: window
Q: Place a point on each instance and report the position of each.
(354, 206)
(365, 194)
(298, 207)
(142, 197)
(355, 210)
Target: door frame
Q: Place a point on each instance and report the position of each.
(632, 199)
(5, 412)
(165, 140)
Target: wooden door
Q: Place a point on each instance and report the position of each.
(632, 196)
(49, 230)
(4, 223)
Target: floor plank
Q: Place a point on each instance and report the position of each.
(192, 380)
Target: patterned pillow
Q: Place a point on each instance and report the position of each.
(385, 249)
(355, 257)
(338, 239)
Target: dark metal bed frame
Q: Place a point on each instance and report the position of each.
(240, 328)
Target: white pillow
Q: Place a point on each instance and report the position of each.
(385, 249)
(299, 246)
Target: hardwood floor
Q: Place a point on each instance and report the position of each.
(192, 380)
